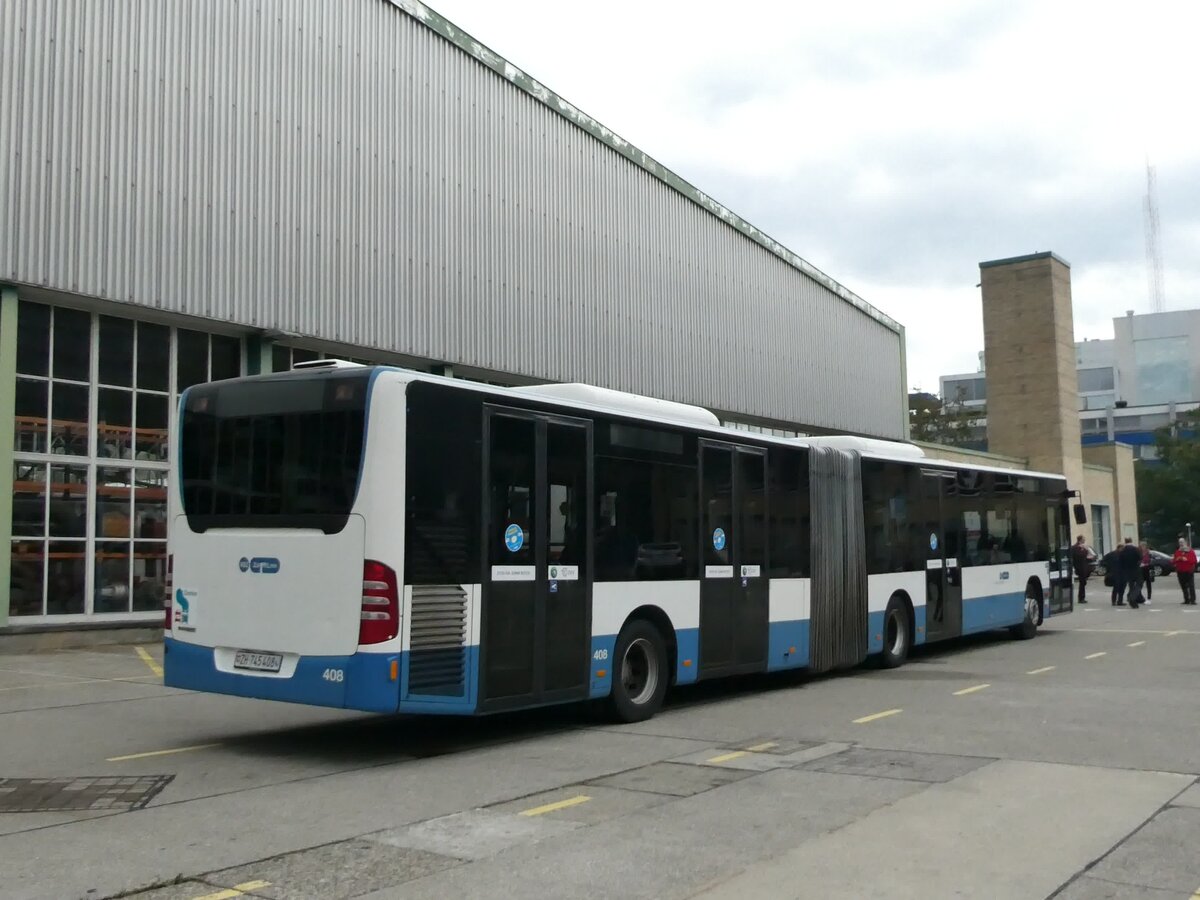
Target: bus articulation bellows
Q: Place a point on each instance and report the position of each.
(376, 539)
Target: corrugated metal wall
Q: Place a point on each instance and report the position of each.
(337, 169)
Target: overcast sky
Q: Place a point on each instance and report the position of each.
(896, 145)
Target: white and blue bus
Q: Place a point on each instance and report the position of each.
(376, 539)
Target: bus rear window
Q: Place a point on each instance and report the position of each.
(273, 453)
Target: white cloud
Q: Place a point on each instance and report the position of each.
(896, 145)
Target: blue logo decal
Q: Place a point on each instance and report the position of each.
(933, 542)
(719, 539)
(264, 565)
(244, 564)
(514, 538)
(182, 608)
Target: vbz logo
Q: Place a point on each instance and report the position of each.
(259, 565)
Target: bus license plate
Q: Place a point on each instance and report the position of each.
(259, 662)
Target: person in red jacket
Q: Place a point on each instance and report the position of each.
(1185, 569)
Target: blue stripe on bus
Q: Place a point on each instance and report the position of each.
(993, 611)
(366, 679)
(783, 637)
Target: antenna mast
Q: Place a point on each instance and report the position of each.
(1154, 262)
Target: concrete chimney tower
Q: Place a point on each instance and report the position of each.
(1029, 343)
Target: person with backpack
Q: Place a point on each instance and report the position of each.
(1112, 576)
(1185, 570)
(1129, 565)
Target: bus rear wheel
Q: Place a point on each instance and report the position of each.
(639, 673)
(897, 634)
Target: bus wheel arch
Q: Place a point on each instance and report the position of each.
(660, 620)
(899, 629)
(642, 665)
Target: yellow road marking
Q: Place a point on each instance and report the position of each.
(1096, 655)
(1039, 671)
(878, 715)
(160, 752)
(971, 690)
(149, 660)
(561, 804)
(758, 748)
(725, 757)
(1135, 644)
(235, 891)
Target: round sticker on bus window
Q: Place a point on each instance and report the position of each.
(932, 541)
(514, 538)
(719, 539)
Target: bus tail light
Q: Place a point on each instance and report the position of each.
(380, 604)
(168, 584)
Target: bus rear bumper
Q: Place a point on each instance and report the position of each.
(362, 681)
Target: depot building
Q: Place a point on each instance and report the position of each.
(200, 191)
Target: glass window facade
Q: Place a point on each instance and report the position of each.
(95, 396)
(1162, 369)
(1092, 380)
(965, 390)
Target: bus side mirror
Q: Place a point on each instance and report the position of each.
(1080, 514)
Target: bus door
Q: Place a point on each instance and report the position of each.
(537, 585)
(734, 601)
(943, 565)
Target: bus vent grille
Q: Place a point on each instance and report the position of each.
(437, 659)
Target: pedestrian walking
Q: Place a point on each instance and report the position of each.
(1112, 570)
(1079, 562)
(1185, 570)
(1147, 571)
(1129, 564)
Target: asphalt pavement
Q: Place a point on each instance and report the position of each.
(1064, 766)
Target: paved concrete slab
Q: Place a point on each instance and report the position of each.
(724, 758)
(671, 778)
(820, 751)
(602, 803)
(1087, 888)
(671, 850)
(1165, 854)
(342, 869)
(475, 834)
(905, 765)
(1022, 829)
(184, 890)
(1190, 797)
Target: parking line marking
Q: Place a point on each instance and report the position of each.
(1135, 644)
(1173, 633)
(551, 807)
(1096, 655)
(149, 660)
(160, 752)
(725, 757)
(879, 715)
(1039, 671)
(971, 690)
(759, 748)
(235, 891)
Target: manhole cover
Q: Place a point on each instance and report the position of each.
(61, 794)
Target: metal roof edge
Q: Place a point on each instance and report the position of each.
(502, 67)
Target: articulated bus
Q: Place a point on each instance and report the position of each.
(377, 539)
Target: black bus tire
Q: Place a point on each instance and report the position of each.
(897, 634)
(639, 673)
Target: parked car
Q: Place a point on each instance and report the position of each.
(1162, 563)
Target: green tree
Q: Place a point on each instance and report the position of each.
(938, 421)
(1168, 491)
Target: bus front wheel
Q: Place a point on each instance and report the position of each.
(639, 673)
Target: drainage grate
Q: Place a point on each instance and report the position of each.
(62, 794)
